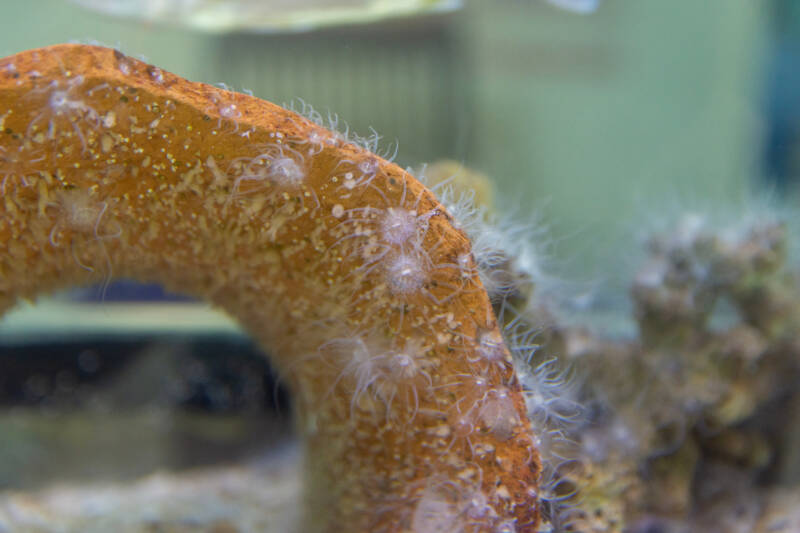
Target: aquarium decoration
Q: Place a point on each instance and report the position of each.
(358, 281)
(267, 16)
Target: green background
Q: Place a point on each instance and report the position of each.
(602, 124)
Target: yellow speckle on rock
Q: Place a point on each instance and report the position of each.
(106, 143)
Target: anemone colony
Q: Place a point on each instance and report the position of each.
(340, 263)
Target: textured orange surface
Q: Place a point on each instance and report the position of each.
(341, 264)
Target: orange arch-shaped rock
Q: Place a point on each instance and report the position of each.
(340, 263)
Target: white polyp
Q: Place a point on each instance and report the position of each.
(402, 366)
(59, 100)
(359, 365)
(491, 347)
(278, 164)
(316, 142)
(550, 397)
(229, 111)
(478, 506)
(406, 273)
(498, 413)
(368, 166)
(315, 138)
(463, 426)
(157, 75)
(434, 513)
(465, 265)
(398, 225)
(286, 171)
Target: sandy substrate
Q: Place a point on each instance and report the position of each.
(255, 497)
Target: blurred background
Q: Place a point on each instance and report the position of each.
(591, 119)
(594, 117)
